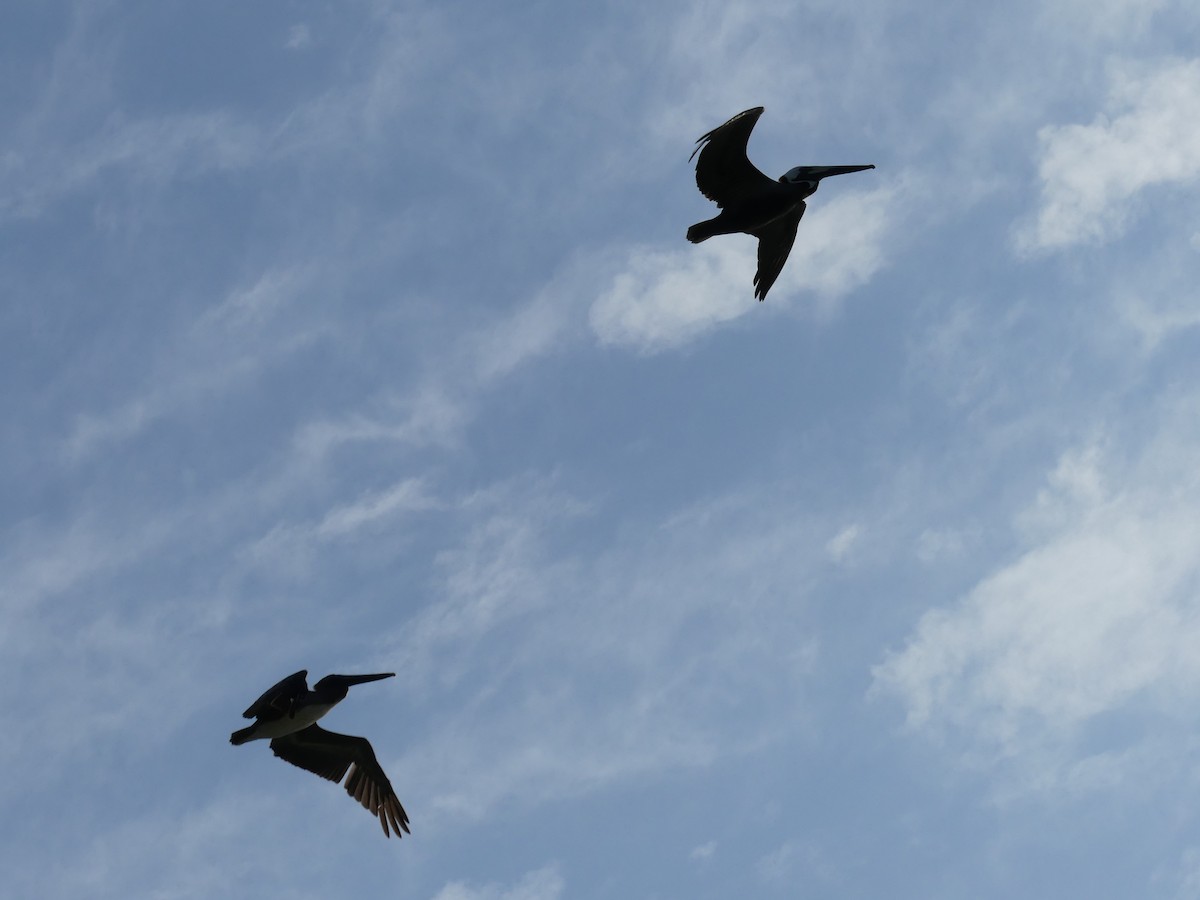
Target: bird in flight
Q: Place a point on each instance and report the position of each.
(287, 715)
(751, 202)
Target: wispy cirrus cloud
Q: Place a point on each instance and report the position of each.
(154, 151)
(797, 862)
(541, 884)
(223, 349)
(443, 400)
(575, 669)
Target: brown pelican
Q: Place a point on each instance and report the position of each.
(287, 714)
(750, 201)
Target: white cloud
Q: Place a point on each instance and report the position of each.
(39, 566)
(542, 884)
(841, 242)
(1158, 318)
(1099, 614)
(179, 387)
(703, 851)
(407, 495)
(1185, 875)
(248, 306)
(458, 372)
(153, 151)
(289, 550)
(664, 298)
(840, 545)
(737, 55)
(429, 415)
(531, 329)
(213, 843)
(1149, 134)
(1155, 296)
(497, 573)
(1113, 19)
(795, 863)
(221, 350)
(298, 37)
(936, 544)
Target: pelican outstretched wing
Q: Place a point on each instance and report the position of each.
(331, 755)
(279, 699)
(723, 172)
(775, 241)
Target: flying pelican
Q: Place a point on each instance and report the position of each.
(750, 201)
(287, 714)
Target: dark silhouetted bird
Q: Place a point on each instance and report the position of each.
(287, 713)
(750, 201)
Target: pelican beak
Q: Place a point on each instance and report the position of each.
(826, 171)
(363, 679)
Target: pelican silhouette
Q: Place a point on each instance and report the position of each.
(287, 715)
(751, 202)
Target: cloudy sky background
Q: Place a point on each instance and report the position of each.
(364, 337)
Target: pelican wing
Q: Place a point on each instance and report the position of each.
(723, 172)
(279, 699)
(331, 755)
(775, 241)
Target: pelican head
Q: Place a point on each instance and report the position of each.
(336, 687)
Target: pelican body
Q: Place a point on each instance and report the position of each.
(286, 715)
(750, 202)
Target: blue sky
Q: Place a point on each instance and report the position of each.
(365, 337)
